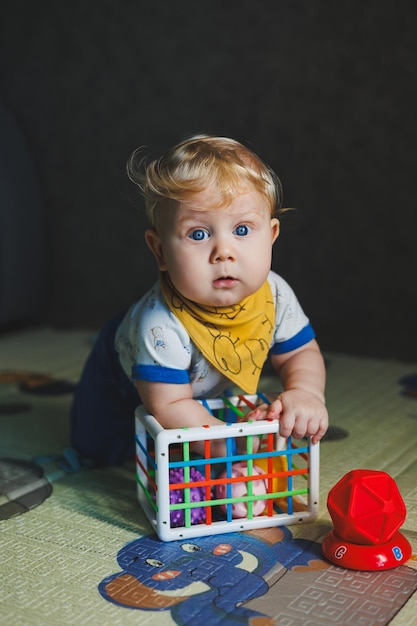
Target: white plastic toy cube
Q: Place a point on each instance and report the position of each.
(185, 494)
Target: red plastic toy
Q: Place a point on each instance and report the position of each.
(367, 511)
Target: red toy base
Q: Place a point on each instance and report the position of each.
(365, 557)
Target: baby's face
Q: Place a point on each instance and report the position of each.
(216, 256)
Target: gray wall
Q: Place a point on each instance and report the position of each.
(325, 91)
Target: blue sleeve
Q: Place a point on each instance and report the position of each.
(160, 374)
(305, 335)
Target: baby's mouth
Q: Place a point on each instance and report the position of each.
(225, 282)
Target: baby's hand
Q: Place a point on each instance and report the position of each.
(300, 414)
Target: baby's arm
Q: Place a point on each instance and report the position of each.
(300, 408)
(173, 406)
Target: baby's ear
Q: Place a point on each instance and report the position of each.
(274, 229)
(153, 240)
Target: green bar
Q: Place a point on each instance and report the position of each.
(267, 496)
(187, 491)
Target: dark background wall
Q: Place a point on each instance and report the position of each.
(325, 91)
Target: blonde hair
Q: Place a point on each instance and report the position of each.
(197, 163)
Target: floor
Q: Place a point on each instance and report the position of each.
(58, 559)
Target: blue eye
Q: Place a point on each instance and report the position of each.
(198, 234)
(242, 230)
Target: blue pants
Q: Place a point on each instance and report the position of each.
(103, 409)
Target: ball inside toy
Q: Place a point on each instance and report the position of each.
(366, 507)
(176, 496)
(240, 489)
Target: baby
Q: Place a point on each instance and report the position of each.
(215, 313)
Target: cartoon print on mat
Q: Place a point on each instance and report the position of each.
(208, 577)
(23, 485)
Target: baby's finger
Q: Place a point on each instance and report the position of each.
(275, 409)
(286, 425)
(320, 432)
(256, 414)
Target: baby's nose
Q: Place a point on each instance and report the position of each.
(223, 250)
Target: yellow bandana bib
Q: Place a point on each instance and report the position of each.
(234, 339)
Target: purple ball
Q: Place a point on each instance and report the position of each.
(176, 496)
